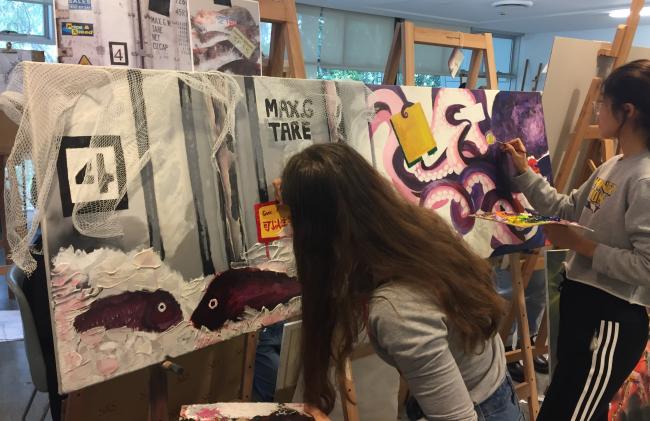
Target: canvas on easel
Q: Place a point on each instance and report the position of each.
(151, 34)
(226, 38)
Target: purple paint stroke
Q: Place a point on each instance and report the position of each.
(144, 311)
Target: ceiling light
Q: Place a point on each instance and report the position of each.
(623, 13)
(512, 3)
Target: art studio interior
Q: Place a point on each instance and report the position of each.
(324, 210)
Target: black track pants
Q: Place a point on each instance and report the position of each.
(601, 339)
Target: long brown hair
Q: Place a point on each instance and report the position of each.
(353, 233)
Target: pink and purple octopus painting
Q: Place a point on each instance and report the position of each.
(468, 172)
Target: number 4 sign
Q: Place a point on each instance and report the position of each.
(119, 53)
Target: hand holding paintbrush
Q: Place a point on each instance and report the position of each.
(517, 151)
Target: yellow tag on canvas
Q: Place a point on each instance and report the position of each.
(271, 219)
(413, 133)
(243, 44)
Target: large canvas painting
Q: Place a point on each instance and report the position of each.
(226, 37)
(149, 226)
(152, 34)
(464, 171)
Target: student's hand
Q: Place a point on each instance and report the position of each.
(316, 413)
(277, 186)
(517, 150)
(564, 237)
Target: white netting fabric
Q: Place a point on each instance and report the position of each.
(41, 97)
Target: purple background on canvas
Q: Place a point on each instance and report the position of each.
(512, 115)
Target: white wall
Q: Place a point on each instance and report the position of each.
(537, 46)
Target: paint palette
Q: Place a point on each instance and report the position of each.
(245, 412)
(525, 219)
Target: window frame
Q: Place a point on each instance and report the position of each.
(48, 36)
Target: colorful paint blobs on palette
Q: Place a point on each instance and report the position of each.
(245, 412)
(232, 292)
(468, 172)
(525, 219)
(271, 219)
(413, 133)
(226, 38)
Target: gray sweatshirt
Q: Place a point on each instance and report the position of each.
(615, 203)
(412, 334)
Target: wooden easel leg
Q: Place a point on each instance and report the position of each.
(158, 410)
(474, 68)
(346, 384)
(571, 154)
(294, 48)
(527, 272)
(394, 57)
(490, 63)
(408, 46)
(276, 53)
(250, 349)
(518, 294)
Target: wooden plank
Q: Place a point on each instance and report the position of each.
(517, 354)
(608, 148)
(592, 165)
(276, 11)
(158, 410)
(615, 47)
(346, 383)
(474, 68)
(250, 348)
(518, 293)
(522, 390)
(394, 57)
(294, 46)
(277, 49)
(632, 23)
(442, 38)
(571, 154)
(490, 63)
(408, 46)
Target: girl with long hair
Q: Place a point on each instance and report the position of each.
(369, 260)
(603, 320)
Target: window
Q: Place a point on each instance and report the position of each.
(347, 45)
(29, 25)
(27, 21)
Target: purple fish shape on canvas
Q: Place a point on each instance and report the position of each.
(467, 173)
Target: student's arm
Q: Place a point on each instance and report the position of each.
(546, 199)
(539, 192)
(630, 266)
(415, 338)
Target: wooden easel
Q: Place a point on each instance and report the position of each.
(404, 40)
(407, 35)
(619, 50)
(285, 36)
